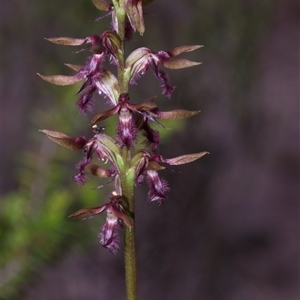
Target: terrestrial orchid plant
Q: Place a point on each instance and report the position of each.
(122, 158)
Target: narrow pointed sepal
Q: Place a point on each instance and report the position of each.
(144, 106)
(74, 67)
(176, 114)
(104, 115)
(88, 212)
(181, 49)
(180, 63)
(66, 41)
(184, 159)
(61, 80)
(65, 140)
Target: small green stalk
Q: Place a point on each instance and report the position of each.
(127, 185)
(130, 264)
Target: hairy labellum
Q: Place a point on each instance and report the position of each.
(108, 235)
(158, 188)
(116, 216)
(126, 130)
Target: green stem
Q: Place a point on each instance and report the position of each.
(126, 176)
(129, 243)
(127, 187)
(130, 264)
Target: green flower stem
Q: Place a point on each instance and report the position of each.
(130, 264)
(127, 174)
(127, 185)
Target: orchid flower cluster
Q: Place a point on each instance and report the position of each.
(123, 159)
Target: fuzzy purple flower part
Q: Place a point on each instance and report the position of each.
(143, 58)
(92, 71)
(116, 217)
(109, 236)
(158, 187)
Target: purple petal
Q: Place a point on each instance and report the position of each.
(158, 187)
(85, 101)
(126, 130)
(167, 90)
(109, 235)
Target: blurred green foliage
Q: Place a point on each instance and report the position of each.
(34, 224)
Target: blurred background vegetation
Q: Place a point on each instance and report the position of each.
(229, 229)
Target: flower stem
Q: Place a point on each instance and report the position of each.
(126, 176)
(127, 185)
(130, 264)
